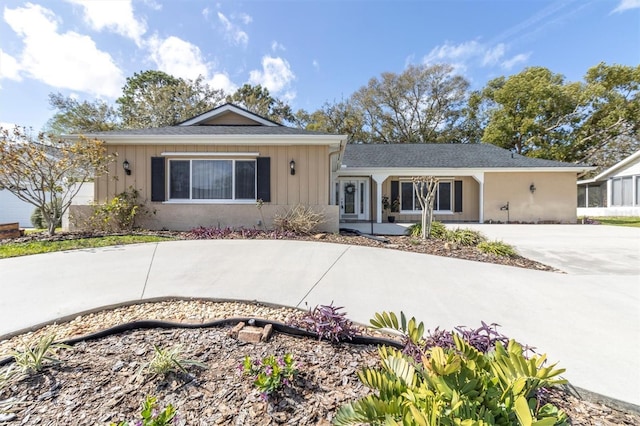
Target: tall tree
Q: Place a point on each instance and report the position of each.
(422, 104)
(537, 113)
(258, 100)
(48, 173)
(73, 116)
(155, 99)
(339, 117)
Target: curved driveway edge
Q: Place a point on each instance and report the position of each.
(589, 323)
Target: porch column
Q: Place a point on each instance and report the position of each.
(480, 178)
(379, 179)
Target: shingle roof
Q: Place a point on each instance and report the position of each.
(210, 130)
(439, 156)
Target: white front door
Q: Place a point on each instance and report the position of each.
(354, 198)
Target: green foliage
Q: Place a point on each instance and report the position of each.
(11, 249)
(258, 100)
(299, 219)
(37, 219)
(459, 386)
(270, 374)
(170, 360)
(465, 237)
(118, 214)
(73, 116)
(34, 355)
(498, 248)
(152, 415)
(438, 230)
(48, 173)
(630, 221)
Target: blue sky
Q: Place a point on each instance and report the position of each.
(306, 52)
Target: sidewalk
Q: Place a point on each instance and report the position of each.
(589, 323)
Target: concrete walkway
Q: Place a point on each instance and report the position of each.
(588, 322)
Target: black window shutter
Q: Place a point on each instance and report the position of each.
(457, 191)
(264, 178)
(395, 193)
(157, 179)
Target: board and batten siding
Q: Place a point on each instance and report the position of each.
(309, 186)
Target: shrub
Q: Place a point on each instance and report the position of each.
(271, 374)
(32, 357)
(37, 221)
(119, 213)
(438, 230)
(300, 219)
(328, 322)
(152, 416)
(454, 386)
(498, 248)
(465, 237)
(165, 361)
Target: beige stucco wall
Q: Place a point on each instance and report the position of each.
(470, 203)
(309, 186)
(554, 200)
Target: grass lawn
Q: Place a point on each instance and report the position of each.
(633, 221)
(37, 247)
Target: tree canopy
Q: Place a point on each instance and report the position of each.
(258, 100)
(74, 116)
(157, 99)
(47, 173)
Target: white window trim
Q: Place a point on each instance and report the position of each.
(211, 154)
(231, 200)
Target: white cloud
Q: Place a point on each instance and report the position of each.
(232, 32)
(206, 12)
(275, 46)
(116, 16)
(316, 64)
(494, 54)
(177, 57)
(183, 59)
(626, 5)
(62, 60)
(517, 59)
(473, 53)
(152, 4)
(246, 19)
(276, 75)
(9, 67)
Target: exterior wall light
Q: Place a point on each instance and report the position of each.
(532, 188)
(127, 167)
(292, 167)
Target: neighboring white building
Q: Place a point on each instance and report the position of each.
(13, 209)
(614, 192)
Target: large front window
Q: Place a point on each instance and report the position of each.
(622, 191)
(409, 198)
(212, 179)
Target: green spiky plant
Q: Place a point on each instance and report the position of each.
(438, 230)
(498, 248)
(165, 361)
(448, 387)
(465, 237)
(34, 355)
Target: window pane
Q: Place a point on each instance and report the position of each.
(596, 195)
(627, 191)
(582, 196)
(245, 180)
(637, 190)
(407, 195)
(211, 179)
(444, 196)
(179, 179)
(616, 196)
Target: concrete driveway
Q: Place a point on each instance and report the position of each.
(588, 321)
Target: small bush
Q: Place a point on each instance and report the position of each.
(498, 248)
(151, 415)
(118, 214)
(166, 361)
(271, 374)
(37, 221)
(300, 219)
(438, 230)
(465, 237)
(33, 356)
(328, 322)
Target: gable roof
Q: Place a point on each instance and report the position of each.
(442, 156)
(228, 108)
(621, 165)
